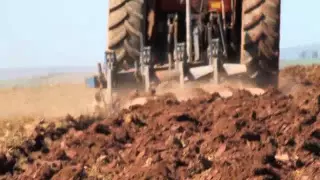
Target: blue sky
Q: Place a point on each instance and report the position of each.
(37, 33)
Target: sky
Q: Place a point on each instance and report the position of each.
(37, 33)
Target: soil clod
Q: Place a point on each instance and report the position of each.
(274, 135)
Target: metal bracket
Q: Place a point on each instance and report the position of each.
(169, 39)
(181, 58)
(138, 63)
(102, 82)
(209, 26)
(110, 59)
(145, 66)
(175, 39)
(213, 56)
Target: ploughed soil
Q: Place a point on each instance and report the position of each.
(271, 136)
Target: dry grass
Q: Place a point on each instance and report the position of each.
(15, 130)
(22, 108)
(46, 101)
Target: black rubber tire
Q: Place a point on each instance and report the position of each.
(125, 17)
(260, 40)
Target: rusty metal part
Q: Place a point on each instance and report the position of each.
(223, 14)
(151, 17)
(234, 13)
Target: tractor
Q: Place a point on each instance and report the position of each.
(153, 40)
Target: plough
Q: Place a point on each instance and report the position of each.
(204, 38)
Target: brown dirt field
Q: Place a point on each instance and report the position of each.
(244, 136)
(23, 108)
(45, 101)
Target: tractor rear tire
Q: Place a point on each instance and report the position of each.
(125, 21)
(260, 41)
